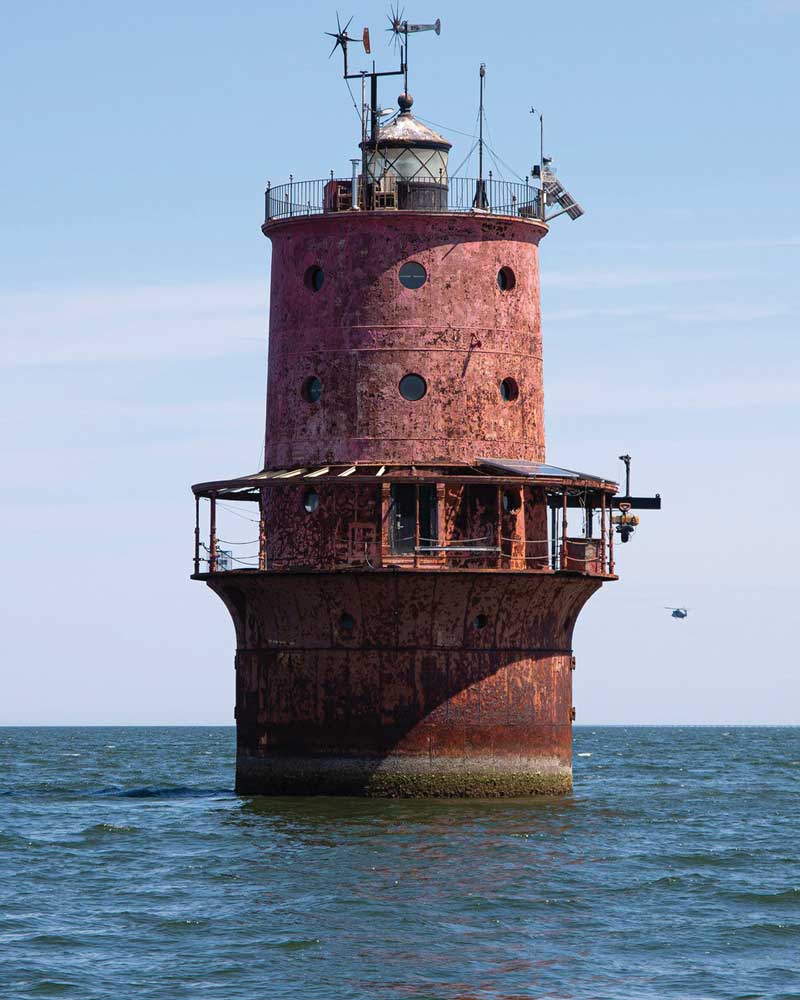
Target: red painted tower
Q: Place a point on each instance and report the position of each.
(405, 625)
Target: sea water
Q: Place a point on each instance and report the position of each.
(129, 869)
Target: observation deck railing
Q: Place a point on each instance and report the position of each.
(593, 556)
(374, 546)
(457, 194)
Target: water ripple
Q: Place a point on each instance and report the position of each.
(129, 868)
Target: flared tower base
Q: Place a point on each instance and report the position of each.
(404, 684)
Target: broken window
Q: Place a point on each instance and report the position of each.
(403, 517)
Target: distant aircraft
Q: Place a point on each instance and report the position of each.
(678, 612)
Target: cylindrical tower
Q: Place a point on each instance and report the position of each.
(361, 301)
(407, 629)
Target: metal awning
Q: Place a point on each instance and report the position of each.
(497, 471)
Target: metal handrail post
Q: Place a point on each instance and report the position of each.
(196, 534)
(603, 535)
(262, 534)
(212, 539)
(500, 528)
(416, 526)
(611, 539)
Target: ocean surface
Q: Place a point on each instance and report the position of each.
(129, 869)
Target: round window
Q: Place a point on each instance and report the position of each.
(505, 279)
(511, 502)
(413, 275)
(413, 387)
(314, 278)
(480, 621)
(310, 501)
(311, 389)
(509, 390)
(347, 623)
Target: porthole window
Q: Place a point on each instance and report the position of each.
(505, 279)
(480, 621)
(310, 501)
(311, 389)
(413, 275)
(509, 390)
(511, 502)
(347, 623)
(413, 387)
(314, 278)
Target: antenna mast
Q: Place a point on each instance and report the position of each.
(363, 192)
(482, 73)
(541, 161)
(480, 200)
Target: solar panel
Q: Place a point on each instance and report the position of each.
(556, 192)
(535, 469)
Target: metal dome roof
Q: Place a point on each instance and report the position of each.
(405, 130)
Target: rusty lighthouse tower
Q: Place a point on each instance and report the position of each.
(404, 619)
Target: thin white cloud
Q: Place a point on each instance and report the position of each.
(710, 312)
(782, 6)
(133, 324)
(740, 243)
(603, 312)
(728, 312)
(586, 396)
(623, 277)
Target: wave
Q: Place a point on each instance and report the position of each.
(770, 898)
(771, 930)
(117, 791)
(166, 792)
(108, 828)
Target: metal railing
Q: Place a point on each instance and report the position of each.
(495, 548)
(464, 194)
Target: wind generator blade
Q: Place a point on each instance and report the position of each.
(340, 35)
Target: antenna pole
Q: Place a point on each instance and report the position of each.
(404, 59)
(363, 140)
(541, 159)
(482, 72)
(627, 460)
(373, 97)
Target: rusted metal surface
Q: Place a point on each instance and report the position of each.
(420, 642)
(363, 331)
(446, 684)
(481, 526)
(344, 527)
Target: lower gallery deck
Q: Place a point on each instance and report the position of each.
(407, 635)
(330, 519)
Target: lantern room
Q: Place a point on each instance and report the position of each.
(407, 163)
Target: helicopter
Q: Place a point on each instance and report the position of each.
(678, 612)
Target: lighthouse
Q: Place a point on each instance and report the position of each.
(404, 622)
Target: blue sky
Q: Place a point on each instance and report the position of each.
(133, 301)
